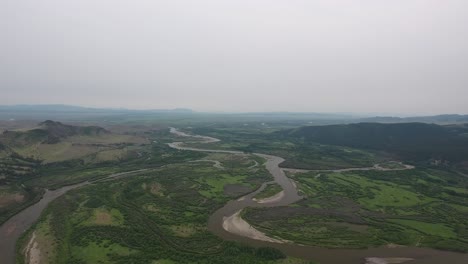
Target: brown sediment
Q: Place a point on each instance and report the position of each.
(387, 260)
(272, 199)
(236, 225)
(32, 251)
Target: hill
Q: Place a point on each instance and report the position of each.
(413, 141)
(53, 141)
(57, 130)
(48, 132)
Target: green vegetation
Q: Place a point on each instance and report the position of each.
(68, 172)
(373, 208)
(158, 216)
(297, 152)
(41, 238)
(439, 230)
(99, 253)
(270, 190)
(23, 179)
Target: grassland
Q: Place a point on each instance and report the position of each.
(154, 155)
(77, 147)
(297, 153)
(373, 208)
(158, 216)
(23, 179)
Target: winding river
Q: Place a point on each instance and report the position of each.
(227, 223)
(14, 227)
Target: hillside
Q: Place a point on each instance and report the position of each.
(48, 132)
(57, 130)
(53, 141)
(413, 141)
(53, 147)
(4, 151)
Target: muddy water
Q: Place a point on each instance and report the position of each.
(322, 255)
(12, 229)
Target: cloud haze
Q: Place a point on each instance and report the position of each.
(400, 56)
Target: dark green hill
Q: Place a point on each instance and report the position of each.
(414, 141)
(4, 150)
(60, 130)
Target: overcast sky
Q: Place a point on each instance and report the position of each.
(392, 56)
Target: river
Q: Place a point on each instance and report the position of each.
(14, 227)
(220, 223)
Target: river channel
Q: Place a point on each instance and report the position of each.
(227, 224)
(220, 223)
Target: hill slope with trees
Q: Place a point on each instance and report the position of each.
(413, 141)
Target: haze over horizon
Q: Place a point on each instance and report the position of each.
(369, 56)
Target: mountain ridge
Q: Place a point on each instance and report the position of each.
(413, 141)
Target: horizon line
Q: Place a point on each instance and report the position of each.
(186, 109)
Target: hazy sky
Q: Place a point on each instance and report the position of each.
(398, 56)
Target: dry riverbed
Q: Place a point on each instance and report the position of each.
(32, 251)
(236, 225)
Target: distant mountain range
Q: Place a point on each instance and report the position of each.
(63, 112)
(437, 119)
(41, 112)
(72, 108)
